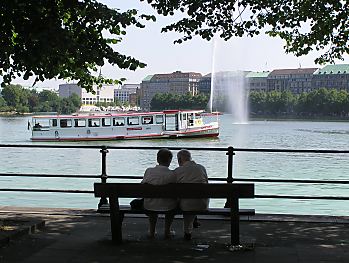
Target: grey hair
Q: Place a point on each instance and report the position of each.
(184, 155)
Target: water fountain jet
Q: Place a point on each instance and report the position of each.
(228, 90)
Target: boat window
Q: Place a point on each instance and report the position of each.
(53, 122)
(191, 119)
(106, 122)
(65, 123)
(93, 123)
(171, 123)
(41, 123)
(147, 119)
(159, 119)
(119, 121)
(79, 122)
(133, 121)
(184, 116)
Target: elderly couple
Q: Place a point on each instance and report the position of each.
(187, 172)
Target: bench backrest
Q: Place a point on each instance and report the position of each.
(138, 190)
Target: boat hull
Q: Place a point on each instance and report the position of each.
(179, 135)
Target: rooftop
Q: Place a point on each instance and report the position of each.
(263, 74)
(148, 78)
(293, 71)
(334, 69)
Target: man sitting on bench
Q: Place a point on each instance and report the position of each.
(159, 175)
(190, 172)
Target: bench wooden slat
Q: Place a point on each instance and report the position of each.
(126, 209)
(136, 190)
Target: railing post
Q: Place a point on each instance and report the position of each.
(103, 205)
(230, 179)
(230, 154)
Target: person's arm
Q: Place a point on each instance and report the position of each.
(144, 180)
(204, 173)
(171, 178)
(177, 174)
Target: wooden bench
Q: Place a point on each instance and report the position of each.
(231, 192)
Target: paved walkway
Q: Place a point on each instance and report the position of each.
(84, 236)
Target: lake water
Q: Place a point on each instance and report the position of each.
(255, 134)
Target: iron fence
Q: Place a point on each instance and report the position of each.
(230, 152)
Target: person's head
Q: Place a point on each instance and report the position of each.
(164, 157)
(183, 156)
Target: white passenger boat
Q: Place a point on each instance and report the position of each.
(164, 124)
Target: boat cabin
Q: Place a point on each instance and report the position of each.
(116, 125)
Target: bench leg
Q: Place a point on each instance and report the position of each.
(234, 221)
(115, 221)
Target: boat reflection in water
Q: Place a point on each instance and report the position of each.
(162, 124)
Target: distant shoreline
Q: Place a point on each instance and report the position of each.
(251, 118)
(15, 114)
(298, 118)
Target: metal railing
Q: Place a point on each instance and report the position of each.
(230, 152)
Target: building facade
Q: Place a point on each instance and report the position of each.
(174, 83)
(66, 90)
(204, 85)
(332, 77)
(127, 93)
(257, 81)
(102, 94)
(294, 80)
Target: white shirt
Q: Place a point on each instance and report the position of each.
(192, 172)
(159, 175)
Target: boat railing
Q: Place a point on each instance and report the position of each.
(229, 151)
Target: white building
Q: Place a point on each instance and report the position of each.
(102, 94)
(123, 93)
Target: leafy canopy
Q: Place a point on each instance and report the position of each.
(66, 39)
(71, 39)
(305, 25)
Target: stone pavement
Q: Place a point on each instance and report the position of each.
(84, 236)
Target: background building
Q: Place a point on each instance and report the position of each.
(102, 94)
(332, 77)
(127, 93)
(174, 83)
(294, 80)
(66, 90)
(257, 81)
(204, 85)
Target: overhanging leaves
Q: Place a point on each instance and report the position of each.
(63, 39)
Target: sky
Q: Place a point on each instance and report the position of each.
(156, 49)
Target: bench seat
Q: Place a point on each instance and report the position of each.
(126, 209)
(231, 192)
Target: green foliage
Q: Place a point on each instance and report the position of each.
(16, 98)
(75, 99)
(3, 105)
(321, 102)
(71, 39)
(2, 102)
(304, 25)
(14, 95)
(168, 101)
(63, 39)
